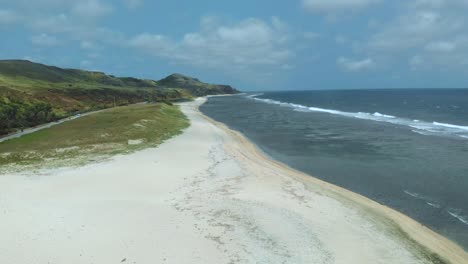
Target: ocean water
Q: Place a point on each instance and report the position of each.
(407, 149)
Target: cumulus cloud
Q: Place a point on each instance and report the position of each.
(44, 40)
(8, 16)
(431, 33)
(336, 5)
(249, 43)
(56, 16)
(355, 65)
(44, 8)
(52, 23)
(415, 29)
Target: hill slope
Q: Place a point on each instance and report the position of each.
(33, 93)
(195, 86)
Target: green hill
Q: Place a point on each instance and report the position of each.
(33, 93)
(195, 86)
(41, 72)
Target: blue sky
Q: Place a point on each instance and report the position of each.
(252, 45)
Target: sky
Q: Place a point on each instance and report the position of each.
(251, 45)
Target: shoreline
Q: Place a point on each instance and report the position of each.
(425, 238)
(206, 196)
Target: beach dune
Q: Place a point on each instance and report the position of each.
(206, 196)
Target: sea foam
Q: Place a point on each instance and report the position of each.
(418, 126)
(454, 212)
(458, 214)
(451, 126)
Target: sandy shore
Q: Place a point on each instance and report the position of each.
(206, 196)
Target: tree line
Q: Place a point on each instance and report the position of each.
(18, 115)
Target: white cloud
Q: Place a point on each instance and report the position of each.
(249, 43)
(44, 40)
(132, 4)
(91, 8)
(414, 29)
(430, 34)
(336, 5)
(58, 16)
(355, 65)
(8, 16)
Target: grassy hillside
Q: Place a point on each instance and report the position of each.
(52, 74)
(33, 93)
(195, 86)
(95, 136)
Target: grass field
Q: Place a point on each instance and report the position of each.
(94, 137)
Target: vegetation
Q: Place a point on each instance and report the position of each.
(21, 115)
(33, 94)
(95, 136)
(195, 86)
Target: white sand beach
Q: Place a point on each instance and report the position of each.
(205, 196)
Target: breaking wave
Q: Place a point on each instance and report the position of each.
(458, 214)
(454, 212)
(418, 126)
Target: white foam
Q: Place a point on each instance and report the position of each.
(421, 132)
(457, 213)
(413, 194)
(422, 127)
(433, 205)
(382, 115)
(429, 201)
(451, 126)
(254, 95)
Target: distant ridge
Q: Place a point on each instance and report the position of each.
(37, 71)
(195, 86)
(33, 93)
